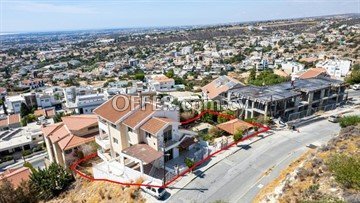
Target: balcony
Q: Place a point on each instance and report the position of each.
(103, 126)
(105, 156)
(133, 138)
(103, 141)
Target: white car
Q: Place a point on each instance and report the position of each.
(334, 118)
(356, 87)
(156, 192)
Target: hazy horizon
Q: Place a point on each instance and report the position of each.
(56, 15)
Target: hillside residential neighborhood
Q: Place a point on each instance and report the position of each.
(258, 111)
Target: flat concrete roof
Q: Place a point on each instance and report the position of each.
(284, 90)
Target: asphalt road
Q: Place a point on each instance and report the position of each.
(239, 177)
(37, 161)
(354, 93)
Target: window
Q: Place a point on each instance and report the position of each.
(147, 135)
(92, 127)
(68, 151)
(130, 129)
(113, 125)
(115, 141)
(167, 136)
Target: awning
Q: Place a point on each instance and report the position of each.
(143, 152)
(187, 142)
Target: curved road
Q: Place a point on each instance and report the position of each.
(239, 177)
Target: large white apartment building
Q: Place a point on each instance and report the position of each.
(83, 100)
(335, 68)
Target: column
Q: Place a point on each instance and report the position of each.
(141, 168)
(252, 109)
(266, 110)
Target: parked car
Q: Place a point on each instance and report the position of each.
(356, 87)
(156, 192)
(334, 118)
(311, 146)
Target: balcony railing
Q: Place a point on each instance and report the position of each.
(104, 142)
(103, 155)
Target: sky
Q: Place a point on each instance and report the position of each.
(60, 15)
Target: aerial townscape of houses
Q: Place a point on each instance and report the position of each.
(85, 97)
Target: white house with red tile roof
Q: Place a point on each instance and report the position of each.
(66, 139)
(134, 133)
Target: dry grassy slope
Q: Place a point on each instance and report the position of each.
(83, 191)
(297, 182)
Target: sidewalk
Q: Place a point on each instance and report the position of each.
(181, 182)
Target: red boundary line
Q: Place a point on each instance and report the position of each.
(93, 155)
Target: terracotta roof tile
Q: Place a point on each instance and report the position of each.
(233, 125)
(77, 122)
(14, 118)
(16, 176)
(139, 115)
(58, 134)
(219, 85)
(143, 152)
(77, 140)
(117, 107)
(50, 128)
(155, 124)
(39, 112)
(312, 73)
(3, 122)
(50, 112)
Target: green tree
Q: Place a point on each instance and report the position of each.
(140, 76)
(354, 77)
(50, 182)
(24, 110)
(267, 77)
(170, 73)
(252, 75)
(57, 117)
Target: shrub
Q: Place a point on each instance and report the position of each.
(26, 152)
(349, 120)
(22, 194)
(51, 181)
(79, 154)
(346, 170)
(37, 148)
(215, 132)
(6, 158)
(189, 162)
(238, 135)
